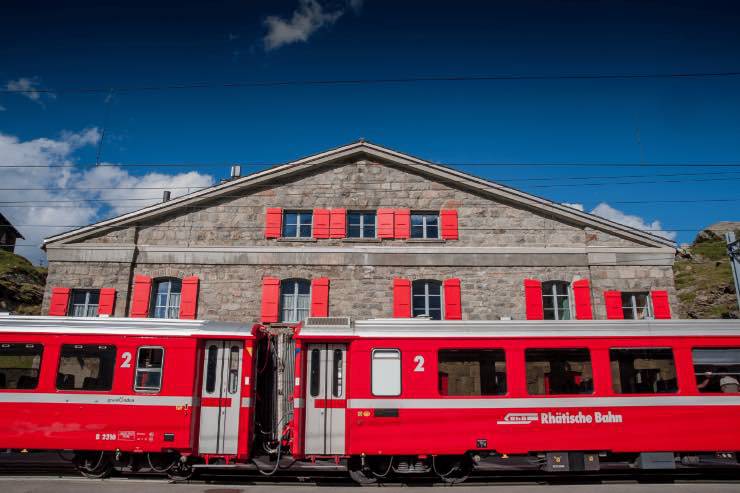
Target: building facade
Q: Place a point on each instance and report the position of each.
(361, 231)
(8, 235)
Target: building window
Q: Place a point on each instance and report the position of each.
(86, 367)
(84, 303)
(636, 306)
(297, 224)
(559, 371)
(717, 369)
(361, 225)
(643, 370)
(295, 300)
(427, 299)
(167, 298)
(556, 300)
(472, 372)
(386, 372)
(424, 225)
(20, 364)
(149, 363)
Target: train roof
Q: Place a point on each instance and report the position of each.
(416, 328)
(123, 326)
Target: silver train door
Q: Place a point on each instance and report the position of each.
(220, 400)
(326, 399)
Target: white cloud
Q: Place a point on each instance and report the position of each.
(574, 206)
(308, 18)
(71, 184)
(608, 212)
(29, 88)
(2, 108)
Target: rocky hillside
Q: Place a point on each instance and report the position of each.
(703, 275)
(21, 285)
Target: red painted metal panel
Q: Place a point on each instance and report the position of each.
(402, 224)
(215, 402)
(661, 305)
(448, 220)
(59, 303)
(533, 299)
(401, 298)
(338, 223)
(270, 299)
(141, 297)
(385, 223)
(320, 297)
(613, 302)
(107, 301)
(189, 298)
(321, 222)
(582, 299)
(274, 222)
(453, 299)
(330, 403)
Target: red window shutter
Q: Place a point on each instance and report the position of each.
(401, 298)
(385, 223)
(320, 297)
(338, 223)
(321, 219)
(453, 304)
(59, 302)
(448, 221)
(402, 224)
(274, 223)
(189, 298)
(107, 302)
(141, 297)
(533, 299)
(582, 299)
(613, 302)
(270, 300)
(661, 306)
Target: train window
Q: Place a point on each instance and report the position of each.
(212, 363)
(20, 364)
(717, 369)
(233, 369)
(337, 374)
(386, 372)
(149, 364)
(315, 372)
(472, 372)
(86, 367)
(559, 371)
(643, 370)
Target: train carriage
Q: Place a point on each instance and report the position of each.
(137, 392)
(443, 395)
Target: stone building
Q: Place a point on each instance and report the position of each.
(8, 235)
(361, 231)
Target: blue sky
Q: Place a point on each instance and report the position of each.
(131, 44)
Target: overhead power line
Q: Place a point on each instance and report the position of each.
(372, 81)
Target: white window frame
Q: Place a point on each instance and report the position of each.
(424, 226)
(171, 308)
(299, 217)
(386, 384)
(362, 224)
(426, 296)
(553, 294)
(294, 310)
(88, 309)
(633, 304)
(149, 390)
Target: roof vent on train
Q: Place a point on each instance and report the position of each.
(336, 322)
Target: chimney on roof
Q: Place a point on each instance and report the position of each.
(236, 171)
(166, 196)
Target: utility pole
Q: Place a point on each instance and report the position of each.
(733, 250)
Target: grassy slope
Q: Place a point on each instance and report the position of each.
(21, 284)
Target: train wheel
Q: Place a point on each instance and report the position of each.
(94, 465)
(181, 470)
(452, 470)
(358, 474)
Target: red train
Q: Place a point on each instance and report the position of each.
(378, 397)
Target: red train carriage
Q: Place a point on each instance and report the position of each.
(137, 392)
(418, 395)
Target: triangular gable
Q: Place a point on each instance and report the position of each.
(358, 150)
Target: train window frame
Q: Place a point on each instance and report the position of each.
(644, 348)
(372, 371)
(547, 394)
(697, 375)
(27, 345)
(211, 369)
(148, 390)
(503, 352)
(314, 373)
(112, 367)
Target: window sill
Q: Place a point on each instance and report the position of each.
(361, 240)
(426, 240)
(297, 240)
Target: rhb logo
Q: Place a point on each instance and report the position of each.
(518, 419)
